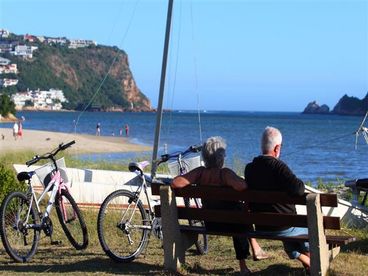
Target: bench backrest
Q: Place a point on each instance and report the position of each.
(245, 217)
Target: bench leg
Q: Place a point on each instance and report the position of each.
(174, 250)
(334, 252)
(317, 239)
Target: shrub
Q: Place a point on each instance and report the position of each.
(8, 182)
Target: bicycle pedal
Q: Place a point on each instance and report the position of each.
(56, 242)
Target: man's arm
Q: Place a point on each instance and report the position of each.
(291, 183)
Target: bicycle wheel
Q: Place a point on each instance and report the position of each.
(19, 241)
(123, 226)
(202, 242)
(71, 220)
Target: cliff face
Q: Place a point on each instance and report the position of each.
(79, 73)
(351, 106)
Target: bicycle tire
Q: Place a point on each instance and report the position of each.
(202, 241)
(14, 235)
(123, 226)
(71, 220)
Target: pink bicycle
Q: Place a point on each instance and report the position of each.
(21, 219)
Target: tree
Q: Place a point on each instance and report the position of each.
(6, 105)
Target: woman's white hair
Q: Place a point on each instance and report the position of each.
(213, 152)
(270, 138)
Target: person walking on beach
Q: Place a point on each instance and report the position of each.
(126, 130)
(15, 130)
(268, 173)
(98, 129)
(20, 130)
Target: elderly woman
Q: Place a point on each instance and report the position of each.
(213, 153)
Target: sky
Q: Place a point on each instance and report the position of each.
(224, 54)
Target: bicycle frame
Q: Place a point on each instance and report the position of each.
(58, 184)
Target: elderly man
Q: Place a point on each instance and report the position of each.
(268, 173)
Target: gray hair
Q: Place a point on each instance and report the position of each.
(213, 152)
(270, 138)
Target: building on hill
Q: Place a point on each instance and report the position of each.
(8, 69)
(29, 38)
(8, 82)
(56, 40)
(6, 47)
(80, 43)
(24, 51)
(4, 61)
(4, 33)
(39, 100)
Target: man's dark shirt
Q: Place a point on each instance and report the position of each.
(267, 173)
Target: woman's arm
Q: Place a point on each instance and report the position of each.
(233, 180)
(189, 178)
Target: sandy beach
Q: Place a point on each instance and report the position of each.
(43, 141)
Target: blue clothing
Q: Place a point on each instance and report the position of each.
(292, 249)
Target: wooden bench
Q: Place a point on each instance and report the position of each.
(178, 237)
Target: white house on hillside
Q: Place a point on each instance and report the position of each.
(80, 43)
(4, 61)
(44, 100)
(24, 50)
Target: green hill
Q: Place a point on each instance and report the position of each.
(79, 73)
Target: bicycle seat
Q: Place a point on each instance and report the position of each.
(22, 176)
(138, 166)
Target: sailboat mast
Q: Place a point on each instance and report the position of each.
(162, 87)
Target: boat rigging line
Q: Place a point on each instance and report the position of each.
(110, 67)
(196, 73)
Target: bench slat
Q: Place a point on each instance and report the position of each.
(209, 192)
(242, 217)
(332, 240)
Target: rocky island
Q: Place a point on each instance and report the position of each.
(347, 105)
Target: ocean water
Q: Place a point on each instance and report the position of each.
(314, 146)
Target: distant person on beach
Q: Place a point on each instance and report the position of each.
(20, 129)
(2, 137)
(213, 174)
(126, 130)
(98, 129)
(268, 173)
(15, 130)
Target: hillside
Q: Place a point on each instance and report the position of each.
(79, 73)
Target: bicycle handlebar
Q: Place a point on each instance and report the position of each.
(50, 155)
(165, 157)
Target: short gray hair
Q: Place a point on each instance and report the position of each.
(270, 138)
(213, 152)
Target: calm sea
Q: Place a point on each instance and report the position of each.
(314, 146)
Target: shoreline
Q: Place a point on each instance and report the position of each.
(42, 141)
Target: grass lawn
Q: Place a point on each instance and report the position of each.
(62, 259)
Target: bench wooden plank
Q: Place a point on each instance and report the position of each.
(209, 192)
(330, 239)
(242, 217)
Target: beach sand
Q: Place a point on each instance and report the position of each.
(44, 141)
